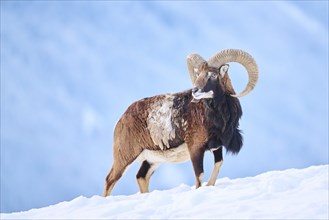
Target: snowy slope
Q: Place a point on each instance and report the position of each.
(288, 194)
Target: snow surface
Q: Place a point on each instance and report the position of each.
(288, 194)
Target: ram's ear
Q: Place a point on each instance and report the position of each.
(223, 70)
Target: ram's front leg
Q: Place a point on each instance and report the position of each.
(218, 157)
(196, 155)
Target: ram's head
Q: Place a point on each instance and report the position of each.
(207, 75)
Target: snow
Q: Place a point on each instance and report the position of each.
(287, 194)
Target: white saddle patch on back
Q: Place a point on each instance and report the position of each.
(159, 122)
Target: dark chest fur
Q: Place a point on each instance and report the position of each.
(223, 121)
(219, 117)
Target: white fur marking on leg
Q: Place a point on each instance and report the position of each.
(143, 186)
(214, 173)
(201, 177)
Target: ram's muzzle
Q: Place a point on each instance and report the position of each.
(198, 94)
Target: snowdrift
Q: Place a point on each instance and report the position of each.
(288, 194)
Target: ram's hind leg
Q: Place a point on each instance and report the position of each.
(144, 174)
(110, 181)
(218, 159)
(116, 172)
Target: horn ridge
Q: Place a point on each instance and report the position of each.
(241, 57)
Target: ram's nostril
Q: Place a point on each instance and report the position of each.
(194, 89)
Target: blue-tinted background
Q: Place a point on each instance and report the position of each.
(70, 69)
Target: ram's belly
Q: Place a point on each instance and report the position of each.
(173, 155)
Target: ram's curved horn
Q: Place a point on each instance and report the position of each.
(238, 56)
(193, 62)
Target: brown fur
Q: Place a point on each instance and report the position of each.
(131, 135)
